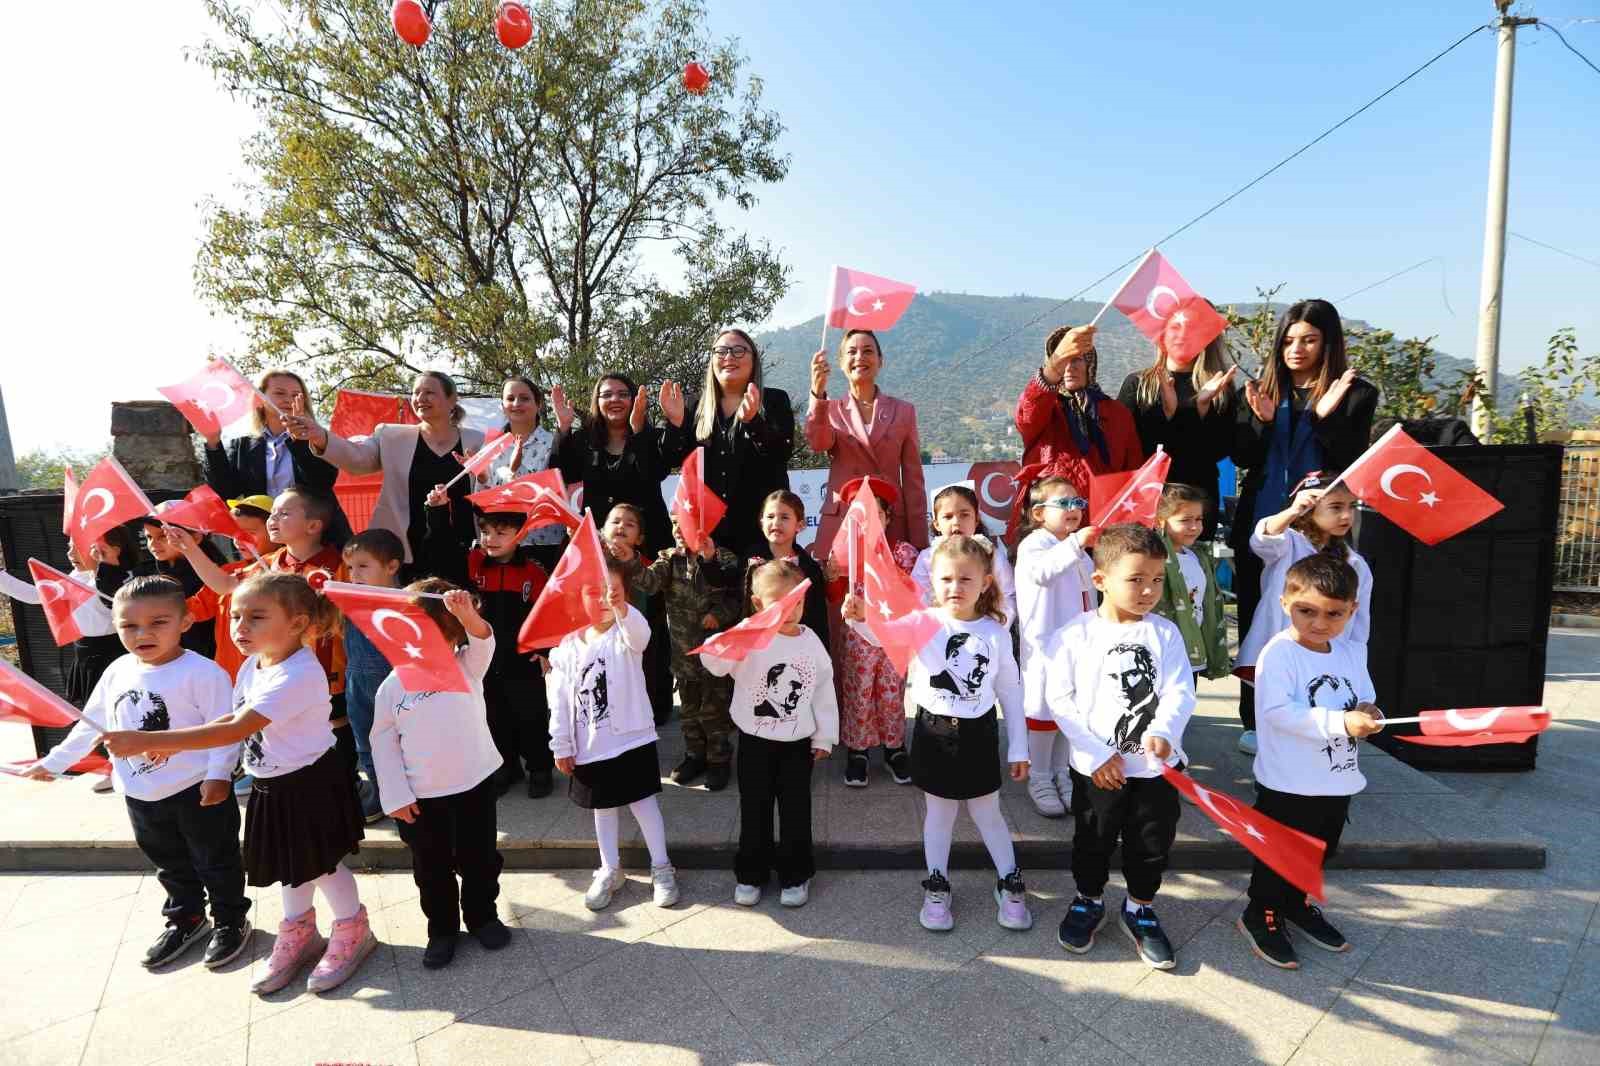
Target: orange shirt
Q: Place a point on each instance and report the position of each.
(207, 604)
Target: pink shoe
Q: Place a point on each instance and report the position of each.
(298, 943)
(348, 945)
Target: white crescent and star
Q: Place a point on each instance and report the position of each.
(1386, 483)
(50, 591)
(1155, 294)
(988, 497)
(1459, 719)
(850, 300)
(227, 396)
(83, 522)
(384, 614)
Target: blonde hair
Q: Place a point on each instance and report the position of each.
(1211, 363)
(295, 595)
(705, 412)
(956, 546)
(258, 410)
(771, 573)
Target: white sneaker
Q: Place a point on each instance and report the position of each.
(602, 888)
(1247, 742)
(102, 785)
(664, 879)
(746, 895)
(1046, 800)
(795, 895)
(1011, 896)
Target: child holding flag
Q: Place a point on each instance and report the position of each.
(783, 516)
(1189, 598)
(372, 557)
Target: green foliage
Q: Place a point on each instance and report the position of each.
(42, 468)
(464, 204)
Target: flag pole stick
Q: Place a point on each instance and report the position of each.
(259, 394)
(1380, 442)
(1107, 306)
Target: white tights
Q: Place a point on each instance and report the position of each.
(1048, 753)
(338, 888)
(647, 812)
(938, 829)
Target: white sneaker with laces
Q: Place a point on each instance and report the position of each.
(746, 895)
(795, 895)
(664, 880)
(602, 888)
(1247, 742)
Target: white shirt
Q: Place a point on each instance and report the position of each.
(1277, 554)
(1110, 685)
(428, 744)
(191, 690)
(599, 707)
(1194, 580)
(533, 457)
(1301, 697)
(293, 697)
(1004, 577)
(784, 691)
(1054, 585)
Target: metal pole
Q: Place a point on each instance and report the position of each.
(8, 462)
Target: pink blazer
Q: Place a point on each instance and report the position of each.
(889, 449)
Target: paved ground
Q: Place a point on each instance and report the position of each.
(1449, 966)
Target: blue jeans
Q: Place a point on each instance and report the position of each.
(364, 670)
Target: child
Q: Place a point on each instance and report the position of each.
(436, 767)
(1189, 598)
(303, 818)
(1055, 584)
(955, 510)
(1118, 684)
(205, 603)
(371, 557)
(1317, 519)
(788, 718)
(182, 810)
(168, 561)
(783, 516)
(957, 680)
(624, 531)
(110, 563)
(603, 735)
(1313, 702)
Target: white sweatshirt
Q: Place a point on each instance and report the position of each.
(93, 616)
(1277, 554)
(191, 690)
(1301, 697)
(784, 691)
(599, 707)
(1110, 685)
(1054, 585)
(922, 574)
(428, 744)
(293, 697)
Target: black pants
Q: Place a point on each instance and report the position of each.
(455, 836)
(195, 850)
(1320, 816)
(1247, 587)
(1142, 815)
(774, 771)
(519, 720)
(658, 661)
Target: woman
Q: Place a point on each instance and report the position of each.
(1185, 404)
(1067, 424)
(1308, 412)
(748, 434)
(522, 402)
(866, 432)
(413, 460)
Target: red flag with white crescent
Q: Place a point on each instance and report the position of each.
(1130, 497)
(204, 510)
(1433, 503)
(92, 763)
(480, 460)
(1163, 307)
(1465, 727)
(560, 609)
(894, 607)
(1296, 856)
(757, 631)
(60, 595)
(107, 497)
(404, 634)
(22, 699)
(215, 397)
(865, 301)
(541, 495)
(696, 507)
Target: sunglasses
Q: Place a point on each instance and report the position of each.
(1066, 503)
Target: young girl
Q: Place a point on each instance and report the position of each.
(436, 761)
(955, 510)
(624, 532)
(783, 516)
(1055, 584)
(788, 718)
(303, 818)
(1189, 597)
(957, 680)
(603, 735)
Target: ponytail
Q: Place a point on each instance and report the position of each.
(296, 596)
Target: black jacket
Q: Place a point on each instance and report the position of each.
(238, 468)
(506, 590)
(745, 461)
(633, 477)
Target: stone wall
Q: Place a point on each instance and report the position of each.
(153, 442)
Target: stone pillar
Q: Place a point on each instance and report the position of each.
(152, 441)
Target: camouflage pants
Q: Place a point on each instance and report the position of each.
(703, 711)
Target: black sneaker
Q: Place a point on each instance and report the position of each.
(440, 952)
(1084, 919)
(371, 807)
(493, 934)
(227, 943)
(1144, 929)
(1309, 920)
(178, 937)
(899, 764)
(540, 784)
(508, 774)
(1263, 926)
(690, 768)
(717, 776)
(855, 769)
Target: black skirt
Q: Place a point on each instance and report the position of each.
(301, 825)
(617, 781)
(956, 758)
(90, 658)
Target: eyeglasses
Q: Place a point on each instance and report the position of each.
(731, 354)
(1067, 503)
(610, 395)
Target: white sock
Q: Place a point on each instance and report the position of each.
(297, 899)
(1041, 743)
(1062, 765)
(991, 823)
(340, 890)
(606, 823)
(1131, 907)
(938, 829)
(647, 812)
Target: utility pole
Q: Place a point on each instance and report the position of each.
(1494, 224)
(8, 462)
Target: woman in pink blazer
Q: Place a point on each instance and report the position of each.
(866, 432)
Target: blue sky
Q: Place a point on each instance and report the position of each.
(992, 149)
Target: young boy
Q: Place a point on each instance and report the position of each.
(184, 816)
(1190, 598)
(1055, 584)
(783, 516)
(372, 557)
(1118, 685)
(1313, 702)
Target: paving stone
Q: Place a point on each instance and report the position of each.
(142, 1029)
(1166, 1018)
(624, 997)
(1573, 1036)
(531, 1026)
(475, 980)
(1381, 1025)
(60, 1044)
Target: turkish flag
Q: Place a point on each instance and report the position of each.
(479, 461)
(107, 497)
(1436, 508)
(22, 699)
(866, 301)
(404, 634)
(69, 499)
(541, 495)
(697, 508)
(1461, 727)
(755, 632)
(1296, 856)
(215, 397)
(997, 485)
(1160, 304)
(895, 611)
(92, 763)
(60, 596)
(204, 510)
(851, 529)
(1130, 497)
(559, 610)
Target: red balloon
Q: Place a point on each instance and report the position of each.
(696, 78)
(513, 25)
(410, 22)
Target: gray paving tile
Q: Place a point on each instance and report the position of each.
(1166, 1018)
(1573, 1037)
(1379, 1025)
(475, 980)
(60, 1044)
(140, 1030)
(530, 1026)
(624, 997)
(1225, 969)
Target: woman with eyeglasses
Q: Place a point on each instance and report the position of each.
(522, 401)
(1067, 423)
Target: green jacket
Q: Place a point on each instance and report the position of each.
(1207, 643)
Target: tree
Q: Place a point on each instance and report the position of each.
(494, 209)
(41, 469)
